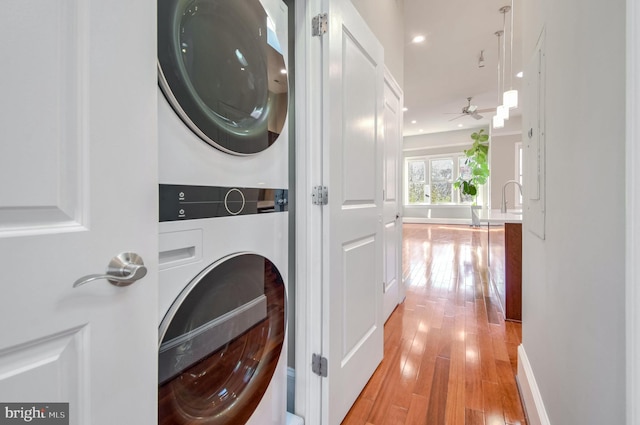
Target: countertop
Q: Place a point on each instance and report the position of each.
(497, 217)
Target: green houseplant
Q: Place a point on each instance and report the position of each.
(477, 162)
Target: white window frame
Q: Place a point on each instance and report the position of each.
(454, 156)
(453, 177)
(405, 183)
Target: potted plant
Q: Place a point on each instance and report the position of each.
(477, 173)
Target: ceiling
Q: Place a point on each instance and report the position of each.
(442, 72)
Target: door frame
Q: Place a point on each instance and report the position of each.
(308, 225)
(632, 248)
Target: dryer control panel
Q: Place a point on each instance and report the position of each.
(181, 202)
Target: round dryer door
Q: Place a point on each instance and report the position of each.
(223, 70)
(220, 342)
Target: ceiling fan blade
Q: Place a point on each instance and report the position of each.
(476, 116)
(485, 110)
(460, 116)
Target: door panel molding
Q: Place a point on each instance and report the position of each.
(47, 178)
(54, 368)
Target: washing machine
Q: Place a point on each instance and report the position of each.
(223, 171)
(223, 308)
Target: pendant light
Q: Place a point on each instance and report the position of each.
(510, 97)
(498, 122)
(498, 118)
(503, 110)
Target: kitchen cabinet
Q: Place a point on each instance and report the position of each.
(513, 271)
(504, 235)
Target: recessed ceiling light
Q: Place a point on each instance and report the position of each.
(421, 130)
(414, 121)
(418, 39)
(520, 74)
(460, 126)
(405, 109)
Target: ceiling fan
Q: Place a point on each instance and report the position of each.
(470, 110)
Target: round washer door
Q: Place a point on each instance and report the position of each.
(220, 342)
(223, 70)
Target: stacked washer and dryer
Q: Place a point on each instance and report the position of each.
(223, 211)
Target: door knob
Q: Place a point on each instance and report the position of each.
(123, 269)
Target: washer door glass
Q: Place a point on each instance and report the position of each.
(223, 70)
(220, 342)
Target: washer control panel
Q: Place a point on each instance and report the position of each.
(180, 202)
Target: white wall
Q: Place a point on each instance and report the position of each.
(421, 142)
(386, 20)
(503, 168)
(573, 294)
(502, 157)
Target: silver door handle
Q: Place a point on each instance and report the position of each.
(123, 269)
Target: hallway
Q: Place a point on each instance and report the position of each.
(449, 357)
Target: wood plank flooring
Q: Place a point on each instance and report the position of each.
(449, 357)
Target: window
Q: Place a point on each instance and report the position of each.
(417, 182)
(441, 180)
(429, 180)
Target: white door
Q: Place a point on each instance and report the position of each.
(79, 185)
(352, 220)
(392, 287)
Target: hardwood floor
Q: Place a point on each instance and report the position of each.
(449, 357)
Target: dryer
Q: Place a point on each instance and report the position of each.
(223, 308)
(223, 106)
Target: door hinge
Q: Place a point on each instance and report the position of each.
(319, 25)
(319, 365)
(320, 195)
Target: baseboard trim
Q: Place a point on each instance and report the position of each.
(424, 220)
(531, 397)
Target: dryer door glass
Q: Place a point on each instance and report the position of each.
(220, 342)
(222, 68)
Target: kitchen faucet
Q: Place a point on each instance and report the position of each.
(503, 204)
